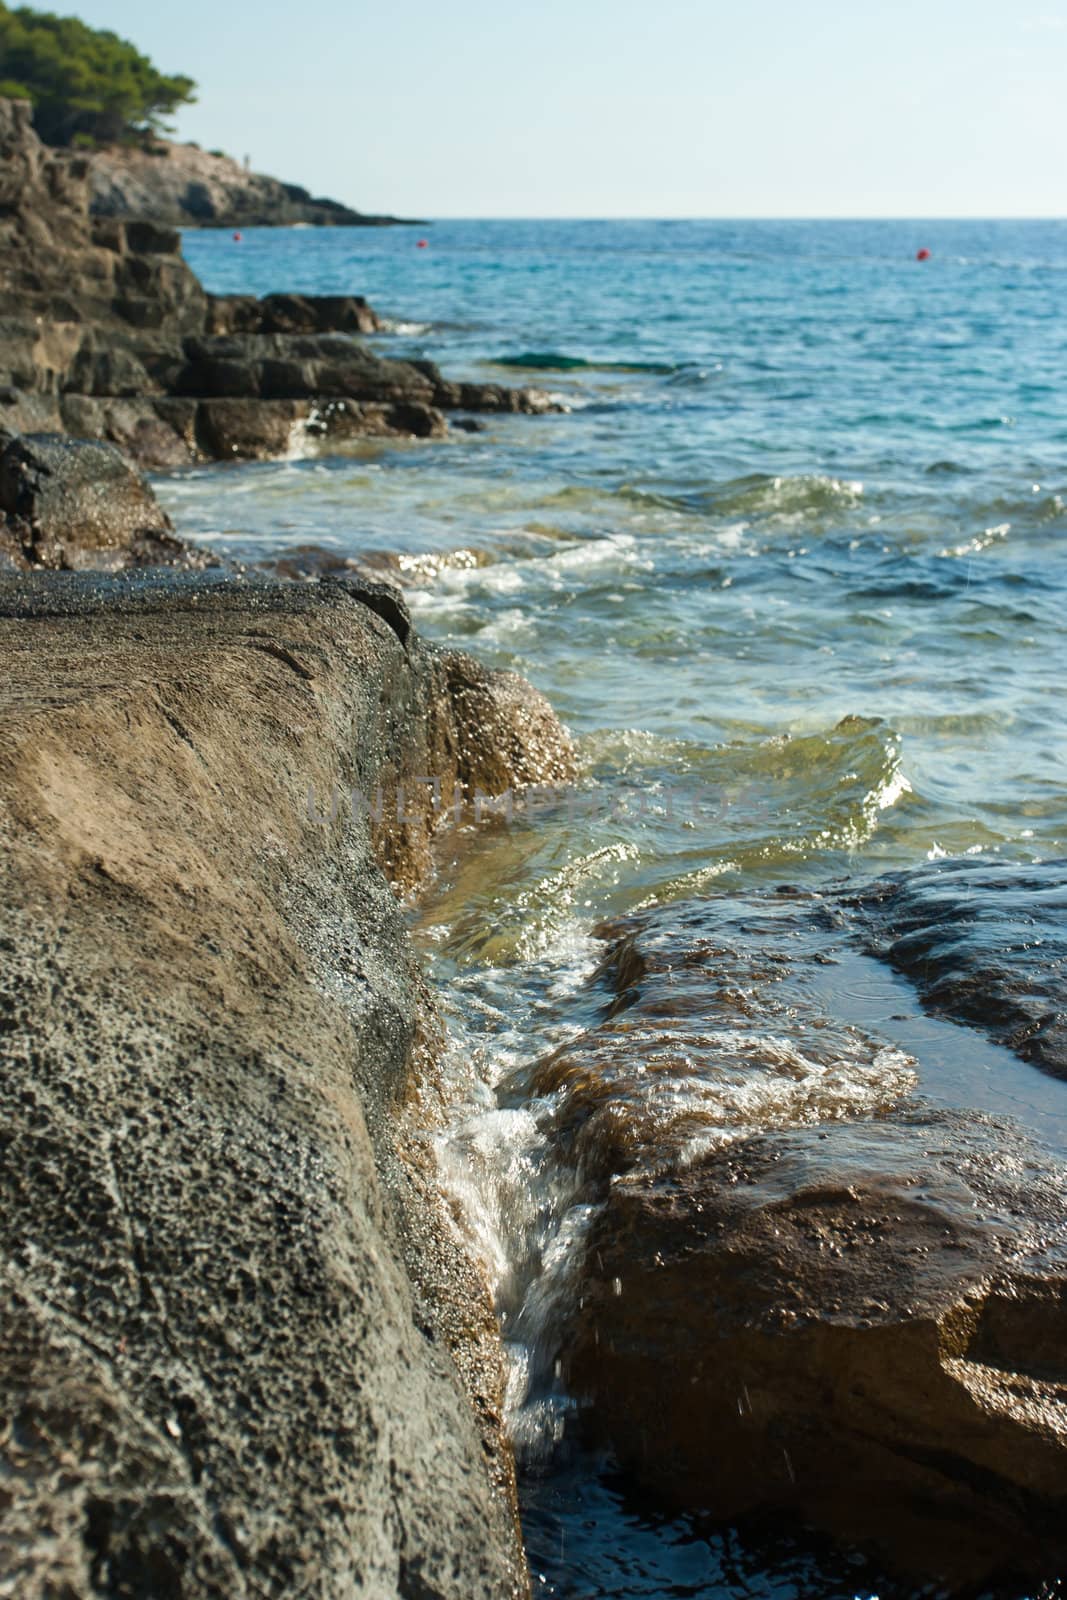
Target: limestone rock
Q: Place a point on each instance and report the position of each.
(243, 1351)
(185, 186)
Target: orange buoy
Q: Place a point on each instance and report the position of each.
(423, 243)
(237, 238)
(923, 254)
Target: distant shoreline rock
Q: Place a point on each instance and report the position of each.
(106, 333)
(182, 186)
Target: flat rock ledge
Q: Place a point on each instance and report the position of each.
(243, 1352)
(105, 332)
(984, 942)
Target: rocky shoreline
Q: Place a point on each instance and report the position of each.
(106, 333)
(244, 1352)
(182, 186)
(247, 1348)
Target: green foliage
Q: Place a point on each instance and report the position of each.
(83, 81)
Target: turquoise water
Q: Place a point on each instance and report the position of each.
(791, 566)
(806, 479)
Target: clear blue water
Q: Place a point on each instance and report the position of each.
(797, 551)
(808, 478)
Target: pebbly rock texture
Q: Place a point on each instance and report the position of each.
(182, 186)
(984, 942)
(242, 1352)
(72, 503)
(105, 332)
(800, 1290)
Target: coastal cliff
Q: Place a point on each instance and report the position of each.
(244, 1352)
(182, 186)
(106, 333)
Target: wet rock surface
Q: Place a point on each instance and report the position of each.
(985, 943)
(710, 1025)
(862, 1324)
(105, 332)
(793, 1286)
(243, 1351)
(72, 503)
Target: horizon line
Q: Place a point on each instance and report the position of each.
(969, 216)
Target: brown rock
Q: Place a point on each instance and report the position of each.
(242, 1352)
(248, 429)
(506, 732)
(864, 1325)
(802, 1292)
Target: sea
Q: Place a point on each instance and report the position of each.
(790, 561)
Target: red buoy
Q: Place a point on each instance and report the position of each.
(423, 243)
(237, 238)
(923, 254)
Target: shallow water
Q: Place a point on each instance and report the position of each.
(792, 567)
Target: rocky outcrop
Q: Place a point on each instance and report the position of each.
(72, 503)
(106, 333)
(802, 1290)
(182, 186)
(291, 313)
(243, 1352)
(984, 942)
(863, 1324)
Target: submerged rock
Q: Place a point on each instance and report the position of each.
(709, 1028)
(243, 1351)
(105, 332)
(798, 1289)
(984, 942)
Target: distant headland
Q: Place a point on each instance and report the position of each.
(182, 186)
(96, 93)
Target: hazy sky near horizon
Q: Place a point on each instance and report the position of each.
(592, 108)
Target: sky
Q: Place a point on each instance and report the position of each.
(610, 108)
